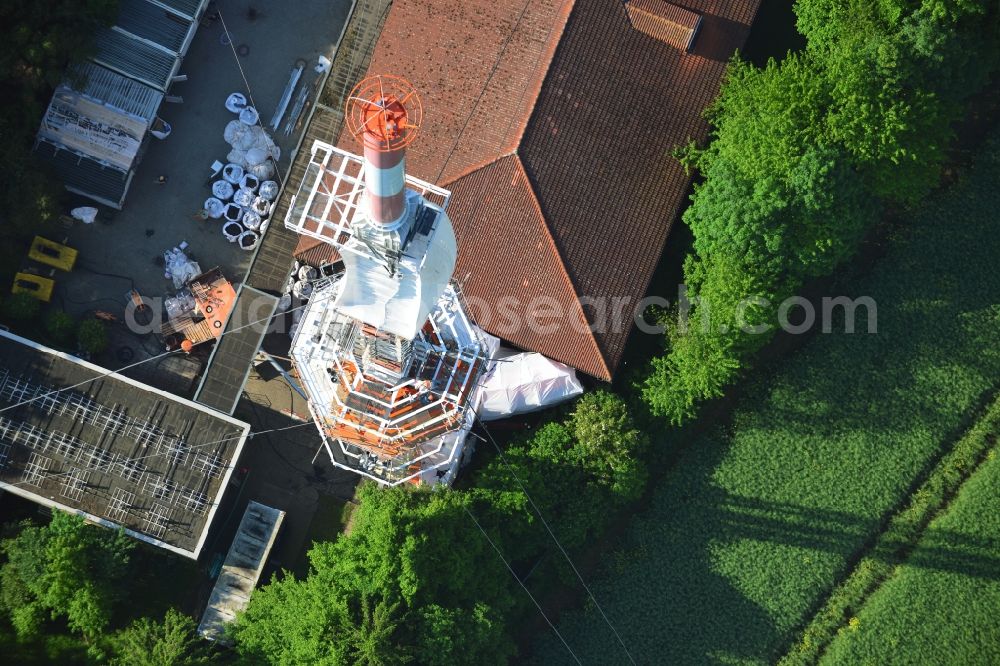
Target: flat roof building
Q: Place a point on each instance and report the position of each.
(77, 437)
(99, 120)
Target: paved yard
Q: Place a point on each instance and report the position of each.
(157, 217)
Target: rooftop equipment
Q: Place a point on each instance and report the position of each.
(386, 353)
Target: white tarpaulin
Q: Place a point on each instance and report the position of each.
(179, 268)
(398, 304)
(525, 383)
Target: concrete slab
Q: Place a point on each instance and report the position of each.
(157, 216)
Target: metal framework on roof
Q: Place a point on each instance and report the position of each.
(389, 407)
(115, 90)
(330, 196)
(115, 451)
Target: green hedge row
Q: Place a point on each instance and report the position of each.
(896, 542)
(805, 153)
(940, 606)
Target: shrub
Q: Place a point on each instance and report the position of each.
(60, 326)
(92, 336)
(21, 307)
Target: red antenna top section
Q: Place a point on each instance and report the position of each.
(385, 112)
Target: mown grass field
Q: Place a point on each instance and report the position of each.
(760, 518)
(943, 604)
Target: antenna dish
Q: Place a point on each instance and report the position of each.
(384, 112)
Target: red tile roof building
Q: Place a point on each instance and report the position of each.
(552, 123)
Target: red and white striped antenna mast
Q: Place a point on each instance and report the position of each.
(385, 113)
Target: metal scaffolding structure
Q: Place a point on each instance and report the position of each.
(386, 352)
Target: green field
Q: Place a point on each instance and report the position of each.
(759, 519)
(943, 604)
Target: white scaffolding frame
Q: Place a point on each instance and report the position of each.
(36, 469)
(330, 197)
(75, 484)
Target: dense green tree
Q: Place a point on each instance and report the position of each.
(776, 195)
(804, 154)
(416, 580)
(448, 632)
(609, 446)
(64, 569)
(293, 621)
(362, 600)
(172, 642)
(372, 638)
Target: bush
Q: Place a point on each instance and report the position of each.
(60, 326)
(21, 307)
(92, 336)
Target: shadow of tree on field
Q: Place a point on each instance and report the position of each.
(701, 584)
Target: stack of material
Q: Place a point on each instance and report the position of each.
(241, 570)
(179, 268)
(251, 166)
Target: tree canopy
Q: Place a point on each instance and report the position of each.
(804, 155)
(172, 642)
(416, 581)
(65, 569)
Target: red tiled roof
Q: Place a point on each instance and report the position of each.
(664, 21)
(315, 252)
(552, 122)
(496, 215)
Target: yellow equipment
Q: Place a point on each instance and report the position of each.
(53, 254)
(36, 285)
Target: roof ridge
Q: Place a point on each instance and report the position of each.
(550, 53)
(476, 167)
(562, 264)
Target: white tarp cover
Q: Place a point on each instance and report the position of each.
(85, 214)
(398, 304)
(525, 383)
(179, 268)
(92, 128)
